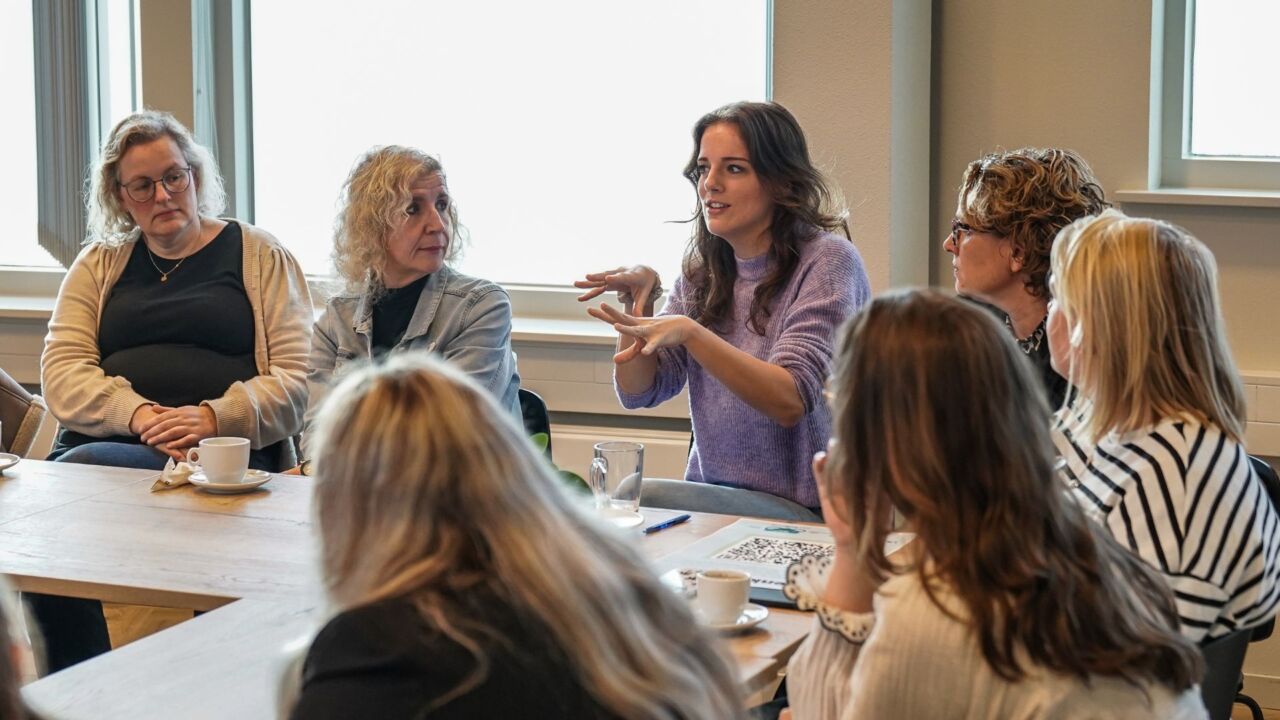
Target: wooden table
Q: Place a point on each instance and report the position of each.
(98, 532)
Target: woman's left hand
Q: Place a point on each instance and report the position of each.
(650, 333)
(181, 427)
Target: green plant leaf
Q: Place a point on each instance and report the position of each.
(575, 481)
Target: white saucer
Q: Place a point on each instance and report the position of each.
(251, 481)
(622, 518)
(752, 615)
(8, 460)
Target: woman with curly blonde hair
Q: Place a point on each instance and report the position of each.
(468, 583)
(1011, 206)
(396, 232)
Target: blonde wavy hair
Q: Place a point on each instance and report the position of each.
(373, 204)
(410, 502)
(1140, 302)
(107, 220)
(1027, 196)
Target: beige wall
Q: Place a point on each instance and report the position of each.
(1009, 73)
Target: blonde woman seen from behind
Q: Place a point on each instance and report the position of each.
(1009, 602)
(1154, 445)
(468, 584)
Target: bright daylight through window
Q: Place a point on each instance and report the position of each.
(18, 244)
(562, 126)
(1235, 94)
(18, 184)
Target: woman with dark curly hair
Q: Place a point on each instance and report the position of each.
(1012, 204)
(749, 326)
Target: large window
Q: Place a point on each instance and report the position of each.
(1220, 97)
(562, 126)
(18, 126)
(108, 36)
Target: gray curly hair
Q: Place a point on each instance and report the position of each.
(108, 222)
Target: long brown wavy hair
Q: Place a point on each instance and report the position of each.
(937, 414)
(1027, 196)
(803, 205)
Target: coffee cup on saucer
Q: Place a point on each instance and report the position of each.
(221, 459)
(722, 595)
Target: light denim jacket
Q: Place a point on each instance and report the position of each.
(465, 320)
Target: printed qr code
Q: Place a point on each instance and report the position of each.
(773, 551)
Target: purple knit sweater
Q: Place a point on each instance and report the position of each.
(735, 444)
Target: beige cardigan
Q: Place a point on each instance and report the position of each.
(266, 409)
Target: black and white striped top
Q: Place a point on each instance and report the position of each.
(1184, 497)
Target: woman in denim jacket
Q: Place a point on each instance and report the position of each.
(392, 239)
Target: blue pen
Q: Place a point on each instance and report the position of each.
(666, 524)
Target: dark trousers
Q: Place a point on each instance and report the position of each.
(74, 629)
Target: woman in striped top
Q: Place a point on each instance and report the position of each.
(1153, 446)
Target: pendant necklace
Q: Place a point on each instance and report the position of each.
(164, 275)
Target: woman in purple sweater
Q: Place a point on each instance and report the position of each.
(766, 280)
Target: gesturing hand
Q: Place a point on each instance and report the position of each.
(179, 428)
(636, 286)
(650, 333)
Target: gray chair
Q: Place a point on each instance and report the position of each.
(702, 497)
(21, 415)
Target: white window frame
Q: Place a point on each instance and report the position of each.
(231, 82)
(1172, 165)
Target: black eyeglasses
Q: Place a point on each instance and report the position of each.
(143, 189)
(958, 227)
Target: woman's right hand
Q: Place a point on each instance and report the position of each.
(637, 287)
(143, 418)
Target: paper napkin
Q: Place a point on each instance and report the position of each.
(173, 475)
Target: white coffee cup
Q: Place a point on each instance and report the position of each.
(221, 459)
(722, 595)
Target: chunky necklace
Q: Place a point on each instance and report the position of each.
(164, 274)
(1030, 343)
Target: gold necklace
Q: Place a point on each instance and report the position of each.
(164, 276)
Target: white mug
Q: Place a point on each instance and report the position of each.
(722, 595)
(221, 459)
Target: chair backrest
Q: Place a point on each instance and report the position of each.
(1271, 482)
(21, 414)
(1223, 660)
(536, 418)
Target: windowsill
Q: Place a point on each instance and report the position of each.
(1201, 196)
(551, 331)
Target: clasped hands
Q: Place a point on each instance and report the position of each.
(173, 430)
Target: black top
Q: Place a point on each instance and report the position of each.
(392, 313)
(1055, 386)
(186, 339)
(386, 661)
